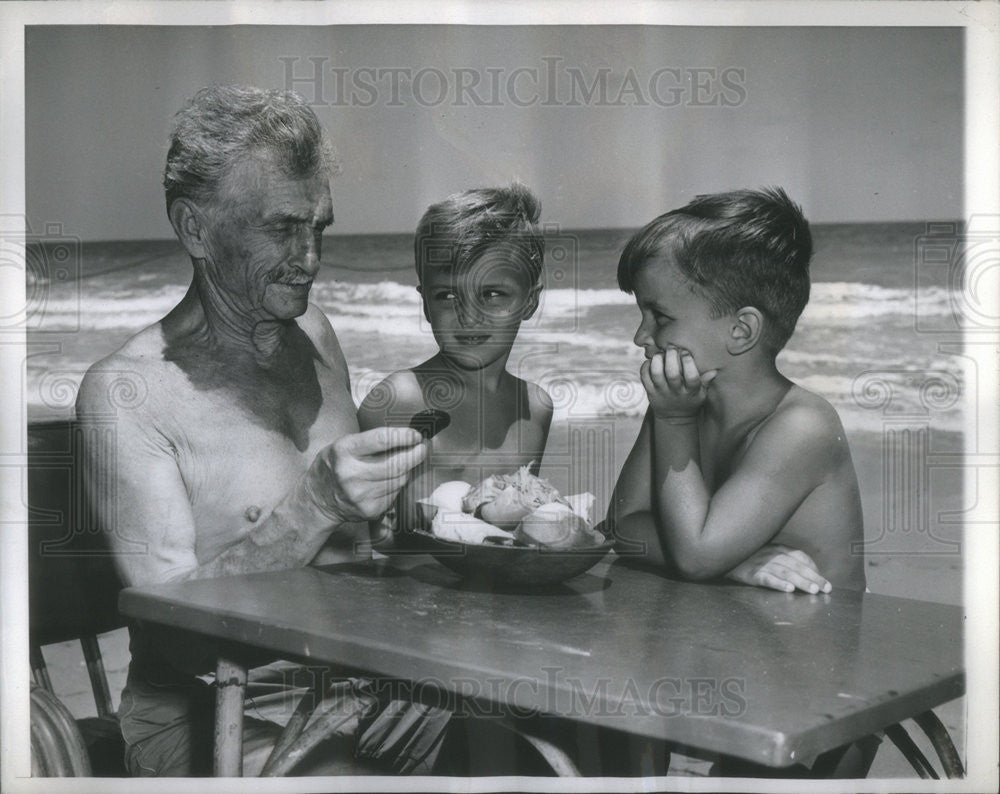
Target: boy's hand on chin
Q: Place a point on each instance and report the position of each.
(780, 568)
(675, 387)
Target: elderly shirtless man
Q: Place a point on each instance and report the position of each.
(244, 454)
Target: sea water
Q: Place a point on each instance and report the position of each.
(866, 341)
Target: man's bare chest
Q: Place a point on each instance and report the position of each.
(253, 445)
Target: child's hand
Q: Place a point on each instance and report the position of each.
(675, 388)
(780, 568)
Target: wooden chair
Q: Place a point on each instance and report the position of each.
(58, 748)
(73, 592)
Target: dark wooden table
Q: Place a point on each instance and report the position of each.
(770, 677)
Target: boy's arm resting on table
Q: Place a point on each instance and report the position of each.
(150, 524)
(780, 567)
(633, 524)
(709, 534)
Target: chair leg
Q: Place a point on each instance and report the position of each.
(943, 745)
(231, 683)
(98, 677)
(38, 669)
(897, 733)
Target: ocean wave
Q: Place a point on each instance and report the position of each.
(564, 300)
(832, 303)
(117, 309)
(828, 299)
(384, 298)
(849, 301)
(798, 362)
(397, 299)
(373, 325)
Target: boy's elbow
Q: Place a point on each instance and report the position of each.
(694, 565)
(634, 536)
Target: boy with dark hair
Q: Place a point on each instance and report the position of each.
(478, 256)
(732, 456)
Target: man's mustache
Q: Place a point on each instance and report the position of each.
(291, 275)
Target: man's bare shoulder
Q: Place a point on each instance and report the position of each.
(316, 326)
(145, 349)
(127, 379)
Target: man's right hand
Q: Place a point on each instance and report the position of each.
(356, 478)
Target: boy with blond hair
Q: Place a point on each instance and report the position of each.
(478, 257)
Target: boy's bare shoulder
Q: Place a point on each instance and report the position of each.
(537, 396)
(399, 391)
(540, 404)
(809, 412)
(802, 421)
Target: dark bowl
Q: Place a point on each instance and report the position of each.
(520, 565)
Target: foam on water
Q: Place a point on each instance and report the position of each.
(830, 303)
(849, 302)
(579, 344)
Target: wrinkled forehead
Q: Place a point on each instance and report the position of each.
(264, 180)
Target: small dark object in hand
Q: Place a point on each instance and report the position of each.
(430, 422)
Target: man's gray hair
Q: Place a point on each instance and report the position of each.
(225, 125)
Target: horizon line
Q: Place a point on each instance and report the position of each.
(552, 229)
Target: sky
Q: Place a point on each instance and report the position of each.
(609, 125)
